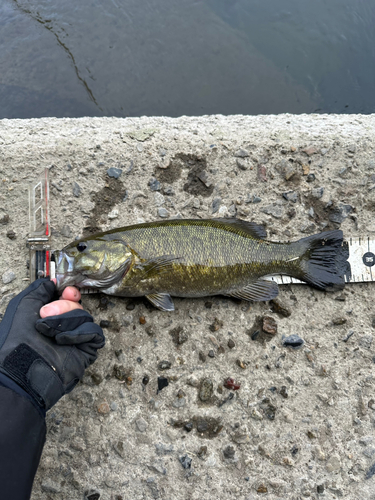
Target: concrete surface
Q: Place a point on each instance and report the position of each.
(301, 425)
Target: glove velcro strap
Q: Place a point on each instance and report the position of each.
(34, 375)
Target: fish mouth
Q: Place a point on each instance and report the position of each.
(64, 271)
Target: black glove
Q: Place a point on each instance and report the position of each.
(46, 357)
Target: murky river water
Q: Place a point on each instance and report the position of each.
(186, 57)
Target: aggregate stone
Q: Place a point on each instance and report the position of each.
(317, 192)
(369, 451)
(8, 277)
(76, 189)
(333, 463)
(91, 494)
(66, 231)
(231, 344)
(113, 214)
(206, 389)
(158, 467)
(103, 408)
(280, 308)
(294, 341)
(120, 449)
(11, 234)
(164, 449)
(276, 211)
(310, 150)
(141, 424)
(4, 219)
(241, 164)
(229, 452)
(310, 178)
(179, 402)
(163, 212)
(114, 172)
(289, 172)
(242, 153)
(366, 440)
(308, 228)
(162, 382)
(202, 356)
(50, 486)
(366, 341)
(185, 461)
(340, 213)
(164, 365)
(261, 173)
(179, 335)
(290, 196)
(255, 414)
(340, 320)
(159, 199)
(189, 426)
(127, 320)
(269, 325)
(168, 191)
(370, 472)
(268, 408)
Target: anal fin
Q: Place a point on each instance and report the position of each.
(162, 301)
(260, 290)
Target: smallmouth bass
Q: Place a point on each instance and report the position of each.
(197, 258)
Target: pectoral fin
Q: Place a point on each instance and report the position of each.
(260, 290)
(162, 301)
(163, 264)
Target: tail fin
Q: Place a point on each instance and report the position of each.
(324, 260)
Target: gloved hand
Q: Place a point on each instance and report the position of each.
(46, 357)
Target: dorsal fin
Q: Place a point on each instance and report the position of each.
(252, 228)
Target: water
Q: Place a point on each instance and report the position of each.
(186, 57)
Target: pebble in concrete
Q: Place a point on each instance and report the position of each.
(114, 172)
(163, 212)
(293, 341)
(141, 424)
(8, 277)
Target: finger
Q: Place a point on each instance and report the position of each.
(71, 293)
(58, 307)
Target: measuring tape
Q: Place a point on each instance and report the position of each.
(361, 249)
(361, 259)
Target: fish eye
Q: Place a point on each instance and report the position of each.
(81, 247)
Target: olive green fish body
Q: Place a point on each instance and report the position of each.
(198, 260)
(190, 258)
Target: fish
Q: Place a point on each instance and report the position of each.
(198, 258)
